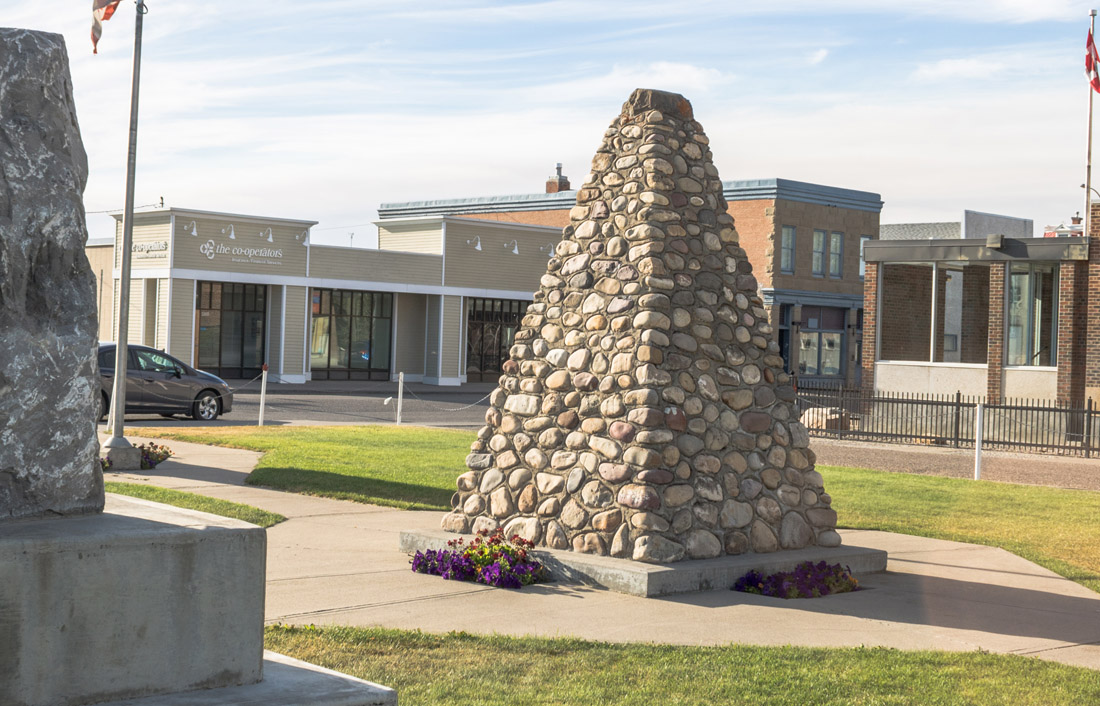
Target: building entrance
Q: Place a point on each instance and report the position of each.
(229, 328)
(491, 326)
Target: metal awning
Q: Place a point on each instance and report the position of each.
(976, 250)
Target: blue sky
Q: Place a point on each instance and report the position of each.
(324, 109)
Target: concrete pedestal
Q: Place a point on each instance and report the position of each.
(147, 604)
(126, 458)
(143, 599)
(652, 580)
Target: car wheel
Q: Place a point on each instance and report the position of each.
(206, 408)
(103, 407)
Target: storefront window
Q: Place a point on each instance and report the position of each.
(491, 326)
(350, 335)
(230, 320)
(1032, 318)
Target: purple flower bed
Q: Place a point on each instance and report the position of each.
(808, 580)
(490, 559)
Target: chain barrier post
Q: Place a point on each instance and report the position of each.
(400, 395)
(263, 392)
(979, 413)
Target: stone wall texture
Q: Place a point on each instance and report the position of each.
(48, 381)
(644, 412)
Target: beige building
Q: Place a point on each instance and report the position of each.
(439, 300)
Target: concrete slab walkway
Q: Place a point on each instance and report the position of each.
(337, 562)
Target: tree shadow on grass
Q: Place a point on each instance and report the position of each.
(375, 491)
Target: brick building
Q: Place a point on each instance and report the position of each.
(803, 240)
(1027, 310)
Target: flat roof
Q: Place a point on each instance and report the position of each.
(743, 190)
(943, 230)
(117, 215)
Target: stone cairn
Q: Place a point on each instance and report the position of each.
(644, 411)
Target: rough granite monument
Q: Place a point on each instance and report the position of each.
(102, 599)
(644, 412)
(49, 461)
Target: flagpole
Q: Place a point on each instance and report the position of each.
(118, 394)
(1088, 161)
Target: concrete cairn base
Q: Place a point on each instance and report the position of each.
(653, 580)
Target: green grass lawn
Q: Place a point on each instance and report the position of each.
(1053, 527)
(465, 669)
(413, 468)
(416, 467)
(178, 498)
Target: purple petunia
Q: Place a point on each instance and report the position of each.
(490, 559)
(808, 580)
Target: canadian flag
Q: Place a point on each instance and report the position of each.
(1092, 63)
(101, 10)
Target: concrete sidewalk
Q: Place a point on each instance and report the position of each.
(336, 562)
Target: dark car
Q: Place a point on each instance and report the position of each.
(157, 383)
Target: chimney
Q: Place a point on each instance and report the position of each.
(1076, 220)
(557, 182)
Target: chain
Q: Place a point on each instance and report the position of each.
(436, 407)
(235, 389)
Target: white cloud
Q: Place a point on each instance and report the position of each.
(946, 69)
(1017, 63)
(817, 57)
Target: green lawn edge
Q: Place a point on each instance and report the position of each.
(406, 467)
(460, 668)
(415, 468)
(192, 501)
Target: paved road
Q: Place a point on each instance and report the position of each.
(346, 403)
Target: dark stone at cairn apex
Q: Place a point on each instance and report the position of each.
(644, 411)
(49, 461)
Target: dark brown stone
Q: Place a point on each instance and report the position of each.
(675, 419)
(755, 421)
(568, 419)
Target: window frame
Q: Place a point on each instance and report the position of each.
(817, 263)
(836, 255)
(862, 262)
(787, 249)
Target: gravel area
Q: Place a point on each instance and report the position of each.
(1005, 467)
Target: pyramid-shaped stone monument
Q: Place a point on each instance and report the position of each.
(644, 411)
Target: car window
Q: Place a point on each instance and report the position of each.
(154, 362)
(107, 359)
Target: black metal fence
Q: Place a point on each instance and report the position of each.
(948, 420)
